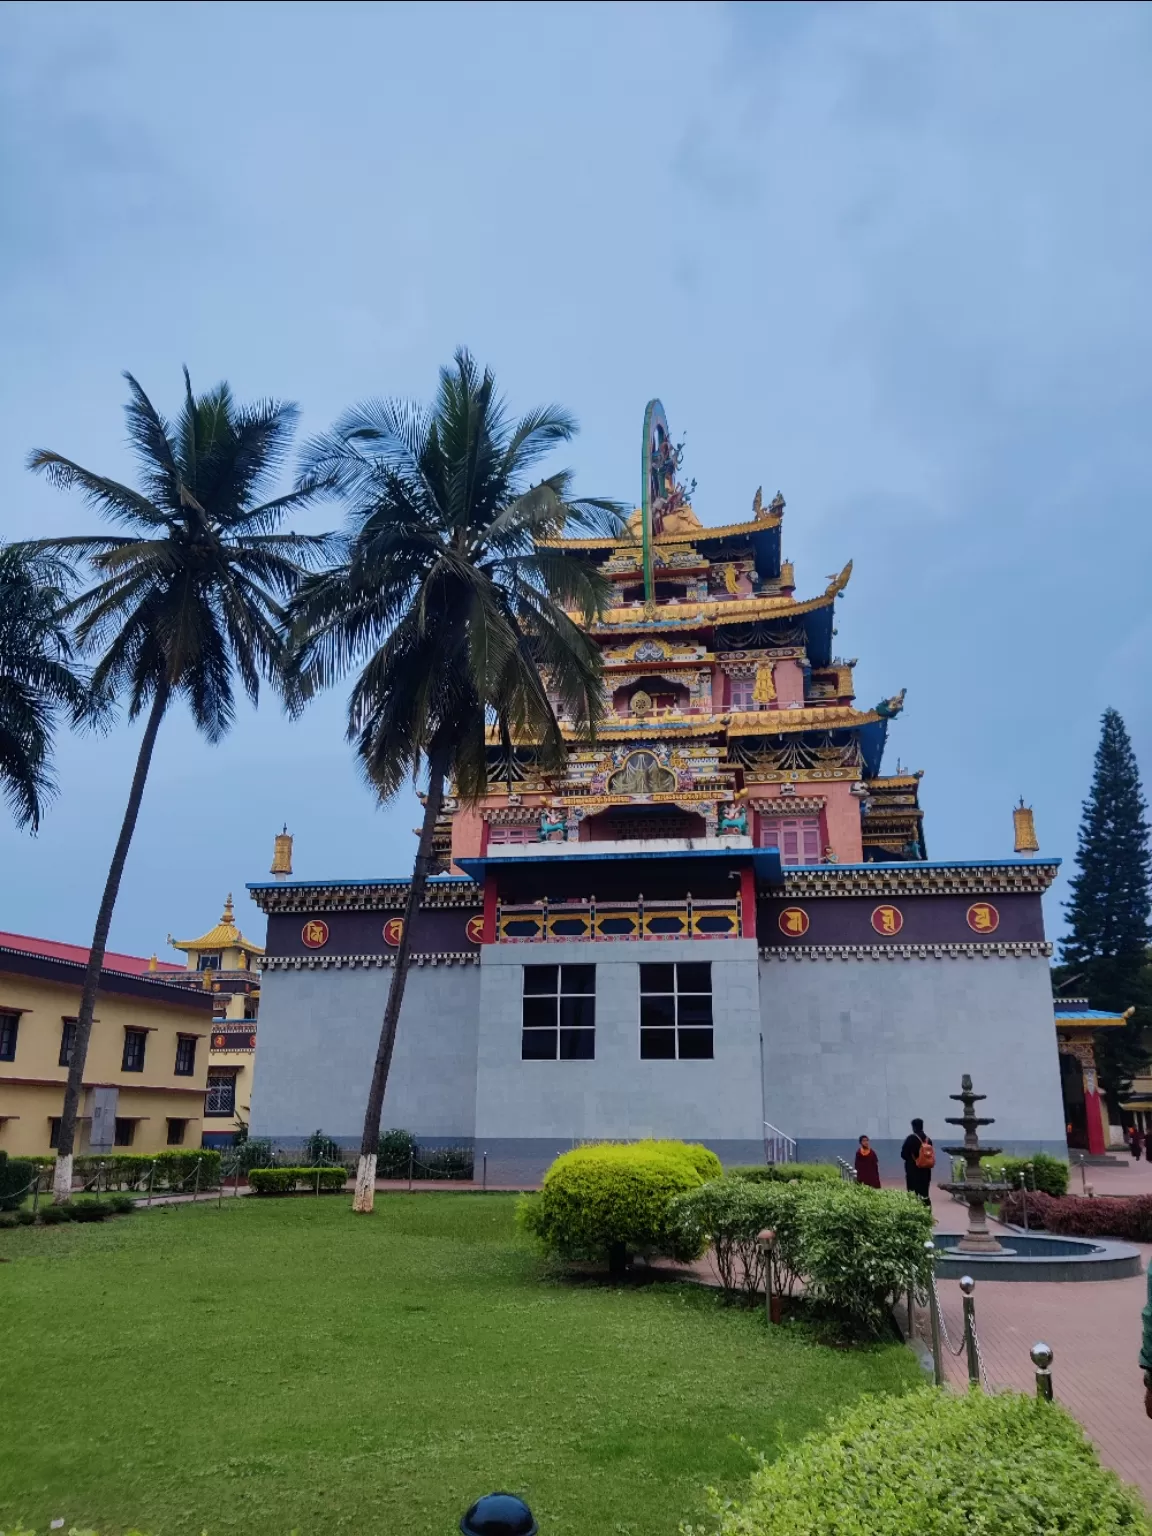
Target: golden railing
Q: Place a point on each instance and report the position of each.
(550, 922)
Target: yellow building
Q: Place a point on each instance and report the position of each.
(221, 963)
(147, 1066)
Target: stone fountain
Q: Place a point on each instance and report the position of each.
(975, 1187)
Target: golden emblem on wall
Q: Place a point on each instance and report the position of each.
(474, 928)
(314, 934)
(393, 931)
(641, 703)
(764, 689)
(887, 920)
(642, 774)
(794, 922)
(983, 917)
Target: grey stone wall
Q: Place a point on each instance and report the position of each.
(863, 1045)
(527, 1111)
(317, 1043)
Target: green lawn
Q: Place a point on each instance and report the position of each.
(277, 1366)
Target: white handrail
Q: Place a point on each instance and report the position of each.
(778, 1148)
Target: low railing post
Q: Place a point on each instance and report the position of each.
(934, 1316)
(36, 1194)
(1024, 1197)
(772, 1301)
(151, 1177)
(196, 1185)
(484, 1183)
(1041, 1355)
(411, 1160)
(968, 1286)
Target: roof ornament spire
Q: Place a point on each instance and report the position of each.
(888, 709)
(228, 915)
(836, 584)
(282, 855)
(1024, 826)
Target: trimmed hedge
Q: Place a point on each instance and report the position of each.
(1129, 1219)
(940, 1463)
(16, 1173)
(855, 1248)
(1044, 1173)
(611, 1202)
(786, 1173)
(283, 1181)
(175, 1170)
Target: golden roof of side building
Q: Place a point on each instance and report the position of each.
(766, 722)
(225, 935)
(718, 612)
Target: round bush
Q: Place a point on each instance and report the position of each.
(123, 1205)
(786, 1173)
(611, 1202)
(934, 1462)
(90, 1210)
(53, 1215)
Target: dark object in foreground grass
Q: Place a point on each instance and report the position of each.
(499, 1514)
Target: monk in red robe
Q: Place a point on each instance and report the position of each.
(867, 1165)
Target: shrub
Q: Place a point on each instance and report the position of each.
(7, 1219)
(175, 1170)
(53, 1215)
(322, 1149)
(393, 1153)
(123, 1205)
(248, 1154)
(611, 1202)
(1129, 1219)
(933, 1461)
(730, 1214)
(25, 1218)
(706, 1163)
(16, 1175)
(859, 1248)
(786, 1173)
(1042, 1171)
(283, 1181)
(90, 1210)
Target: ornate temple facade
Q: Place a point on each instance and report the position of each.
(718, 921)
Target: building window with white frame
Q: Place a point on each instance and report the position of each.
(676, 1011)
(559, 1013)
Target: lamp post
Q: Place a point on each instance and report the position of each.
(499, 1514)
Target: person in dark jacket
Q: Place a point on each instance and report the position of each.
(917, 1178)
(1135, 1142)
(867, 1165)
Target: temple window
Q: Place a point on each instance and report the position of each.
(176, 1129)
(559, 1013)
(185, 1056)
(740, 693)
(208, 963)
(796, 837)
(513, 835)
(676, 1012)
(135, 1041)
(125, 1132)
(9, 1029)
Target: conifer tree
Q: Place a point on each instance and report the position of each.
(1105, 954)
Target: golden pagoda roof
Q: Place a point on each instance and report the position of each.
(756, 722)
(720, 611)
(225, 935)
(677, 526)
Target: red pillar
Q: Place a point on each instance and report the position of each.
(748, 902)
(489, 909)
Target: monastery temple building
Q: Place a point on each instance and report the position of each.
(718, 921)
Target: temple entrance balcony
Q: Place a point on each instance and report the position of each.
(545, 921)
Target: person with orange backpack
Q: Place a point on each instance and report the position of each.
(919, 1160)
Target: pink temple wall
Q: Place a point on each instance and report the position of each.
(467, 835)
(789, 679)
(842, 813)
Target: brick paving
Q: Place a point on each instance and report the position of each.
(1092, 1327)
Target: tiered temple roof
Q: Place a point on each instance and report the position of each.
(726, 712)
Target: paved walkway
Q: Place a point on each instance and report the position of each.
(1092, 1327)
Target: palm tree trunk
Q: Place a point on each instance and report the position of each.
(62, 1179)
(365, 1195)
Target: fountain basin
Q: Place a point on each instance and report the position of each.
(1037, 1256)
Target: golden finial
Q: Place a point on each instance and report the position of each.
(836, 584)
(152, 966)
(282, 854)
(1025, 828)
(776, 505)
(227, 915)
(758, 503)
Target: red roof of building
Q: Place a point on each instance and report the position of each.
(51, 949)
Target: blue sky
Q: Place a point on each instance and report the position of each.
(890, 259)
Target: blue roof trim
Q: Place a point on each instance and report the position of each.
(1085, 1013)
(765, 861)
(316, 885)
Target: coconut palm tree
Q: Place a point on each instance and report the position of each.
(183, 604)
(454, 609)
(37, 676)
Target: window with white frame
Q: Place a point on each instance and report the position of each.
(559, 1013)
(797, 838)
(740, 693)
(676, 1011)
(220, 1099)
